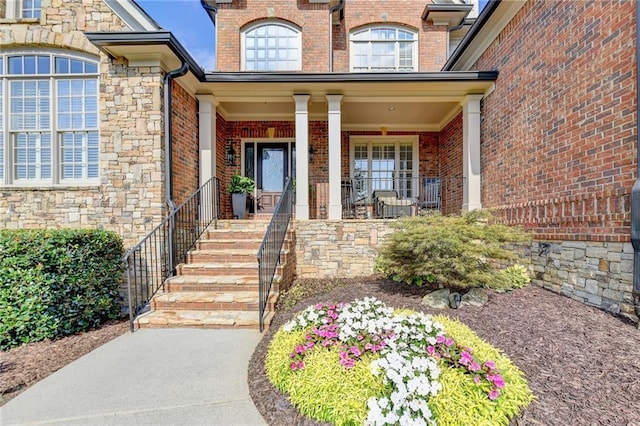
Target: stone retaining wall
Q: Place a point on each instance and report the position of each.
(338, 249)
(599, 274)
(596, 273)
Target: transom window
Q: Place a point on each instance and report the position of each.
(384, 49)
(385, 164)
(48, 119)
(271, 47)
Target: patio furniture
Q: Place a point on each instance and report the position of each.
(388, 205)
(430, 198)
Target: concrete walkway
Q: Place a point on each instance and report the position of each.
(150, 377)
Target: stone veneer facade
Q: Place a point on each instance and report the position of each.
(130, 196)
(338, 249)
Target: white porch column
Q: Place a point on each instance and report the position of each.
(335, 157)
(207, 136)
(471, 153)
(302, 156)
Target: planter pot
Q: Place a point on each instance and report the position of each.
(239, 204)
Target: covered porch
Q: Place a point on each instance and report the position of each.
(358, 146)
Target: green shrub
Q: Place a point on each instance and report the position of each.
(325, 390)
(57, 282)
(454, 251)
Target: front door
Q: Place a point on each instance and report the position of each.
(272, 169)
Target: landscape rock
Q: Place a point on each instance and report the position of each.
(438, 299)
(474, 297)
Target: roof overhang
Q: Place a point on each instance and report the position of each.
(141, 46)
(451, 15)
(494, 17)
(422, 101)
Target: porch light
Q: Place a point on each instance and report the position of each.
(230, 154)
(312, 152)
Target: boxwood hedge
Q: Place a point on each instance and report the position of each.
(57, 282)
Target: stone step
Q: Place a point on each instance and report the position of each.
(229, 244)
(235, 234)
(214, 283)
(242, 225)
(210, 301)
(195, 257)
(221, 255)
(202, 319)
(243, 269)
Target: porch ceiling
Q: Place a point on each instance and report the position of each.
(417, 106)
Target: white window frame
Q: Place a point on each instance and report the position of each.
(15, 9)
(370, 41)
(55, 129)
(243, 44)
(397, 141)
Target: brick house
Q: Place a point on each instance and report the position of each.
(378, 109)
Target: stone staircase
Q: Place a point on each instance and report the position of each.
(217, 286)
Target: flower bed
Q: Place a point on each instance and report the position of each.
(364, 363)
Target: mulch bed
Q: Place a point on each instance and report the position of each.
(25, 365)
(582, 364)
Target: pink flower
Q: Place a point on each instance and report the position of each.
(431, 350)
(440, 339)
(490, 365)
(449, 341)
(368, 346)
(356, 351)
(474, 366)
(494, 394)
(477, 380)
(465, 358)
(498, 381)
(319, 306)
(294, 366)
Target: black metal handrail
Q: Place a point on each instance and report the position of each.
(269, 253)
(155, 258)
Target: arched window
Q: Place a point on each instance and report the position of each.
(271, 46)
(48, 119)
(384, 48)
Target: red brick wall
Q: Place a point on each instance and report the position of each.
(432, 40)
(184, 113)
(558, 132)
(313, 20)
(450, 161)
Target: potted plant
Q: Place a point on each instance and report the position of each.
(239, 187)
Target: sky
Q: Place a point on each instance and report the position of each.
(191, 25)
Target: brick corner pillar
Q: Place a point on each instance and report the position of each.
(472, 172)
(302, 156)
(335, 156)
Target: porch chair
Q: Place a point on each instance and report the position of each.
(353, 198)
(430, 199)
